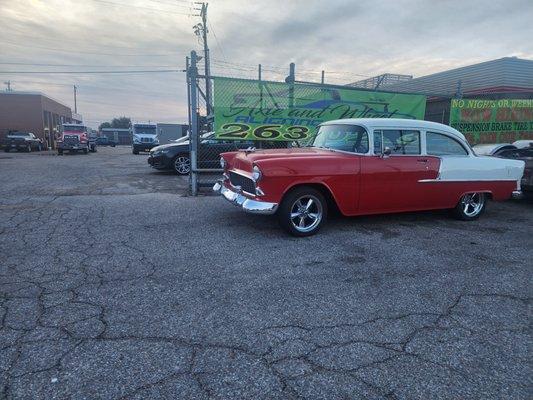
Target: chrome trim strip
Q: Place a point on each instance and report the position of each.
(465, 180)
(248, 205)
(241, 173)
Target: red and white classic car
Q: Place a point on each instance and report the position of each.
(368, 166)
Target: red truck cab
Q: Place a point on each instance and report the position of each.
(73, 138)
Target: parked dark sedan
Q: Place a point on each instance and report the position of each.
(22, 141)
(175, 156)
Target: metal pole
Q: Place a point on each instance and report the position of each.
(75, 101)
(187, 66)
(259, 72)
(322, 79)
(193, 112)
(206, 61)
(290, 79)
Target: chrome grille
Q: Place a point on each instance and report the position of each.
(245, 183)
(71, 139)
(147, 140)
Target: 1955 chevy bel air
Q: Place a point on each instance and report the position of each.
(368, 166)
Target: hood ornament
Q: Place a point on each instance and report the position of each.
(250, 149)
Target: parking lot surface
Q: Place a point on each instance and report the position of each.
(117, 285)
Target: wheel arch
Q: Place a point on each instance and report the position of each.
(322, 188)
(487, 192)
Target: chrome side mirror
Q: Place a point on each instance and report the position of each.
(386, 152)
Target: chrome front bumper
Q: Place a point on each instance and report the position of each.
(517, 194)
(248, 205)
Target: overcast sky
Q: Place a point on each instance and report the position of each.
(349, 39)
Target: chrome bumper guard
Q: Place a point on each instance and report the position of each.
(517, 194)
(249, 205)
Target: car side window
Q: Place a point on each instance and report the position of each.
(441, 145)
(400, 142)
(378, 142)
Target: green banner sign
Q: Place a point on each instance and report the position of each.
(493, 121)
(257, 110)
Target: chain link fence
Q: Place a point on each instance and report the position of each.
(307, 99)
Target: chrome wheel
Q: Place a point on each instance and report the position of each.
(182, 165)
(472, 204)
(306, 213)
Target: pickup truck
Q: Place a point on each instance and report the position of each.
(22, 141)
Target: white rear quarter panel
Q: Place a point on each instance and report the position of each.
(480, 169)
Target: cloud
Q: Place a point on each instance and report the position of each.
(347, 38)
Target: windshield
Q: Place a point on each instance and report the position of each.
(73, 128)
(343, 137)
(145, 130)
(25, 134)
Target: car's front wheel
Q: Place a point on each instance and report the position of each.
(471, 206)
(303, 211)
(182, 164)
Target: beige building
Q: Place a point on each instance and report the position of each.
(33, 112)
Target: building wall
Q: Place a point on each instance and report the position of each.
(32, 112)
(21, 112)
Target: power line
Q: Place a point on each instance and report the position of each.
(88, 52)
(87, 65)
(93, 72)
(174, 3)
(140, 7)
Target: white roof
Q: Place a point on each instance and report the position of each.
(371, 123)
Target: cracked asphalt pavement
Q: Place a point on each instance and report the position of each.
(117, 285)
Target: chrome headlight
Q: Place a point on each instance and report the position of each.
(222, 163)
(256, 173)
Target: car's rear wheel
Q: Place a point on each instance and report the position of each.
(135, 152)
(59, 152)
(470, 206)
(182, 164)
(303, 211)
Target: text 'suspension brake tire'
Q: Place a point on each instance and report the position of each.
(303, 211)
(182, 164)
(471, 206)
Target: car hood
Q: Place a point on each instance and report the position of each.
(245, 160)
(182, 145)
(259, 155)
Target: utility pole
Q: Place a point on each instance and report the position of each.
(201, 30)
(75, 100)
(192, 74)
(8, 83)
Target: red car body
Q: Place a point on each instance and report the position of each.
(368, 183)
